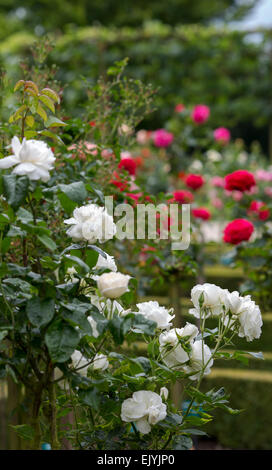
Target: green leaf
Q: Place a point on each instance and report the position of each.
(24, 216)
(47, 102)
(53, 121)
(15, 189)
(48, 242)
(19, 85)
(51, 135)
(78, 261)
(3, 334)
(40, 110)
(182, 443)
(24, 431)
(51, 93)
(144, 324)
(30, 134)
(91, 398)
(39, 311)
(61, 340)
(74, 191)
(66, 203)
(76, 318)
(30, 121)
(119, 327)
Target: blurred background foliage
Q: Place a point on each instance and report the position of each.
(184, 48)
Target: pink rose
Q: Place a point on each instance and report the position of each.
(179, 108)
(218, 181)
(221, 134)
(200, 113)
(162, 138)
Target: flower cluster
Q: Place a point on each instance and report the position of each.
(180, 350)
(237, 312)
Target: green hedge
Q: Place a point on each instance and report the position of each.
(251, 429)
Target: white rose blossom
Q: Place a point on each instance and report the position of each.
(145, 409)
(113, 285)
(246, 314)
(243, 312)
(106, 263)
(250, 320)
(32, 158)
(200, 360)
(213, 297)
(172, 352)
(153, 311)
(100, 362)
(91, 223)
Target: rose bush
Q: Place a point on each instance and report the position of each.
(70, 322)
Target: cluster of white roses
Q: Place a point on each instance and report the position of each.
(239, 313)
(180, 350)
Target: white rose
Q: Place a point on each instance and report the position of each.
(246, 314)
(113, 285)
(79, 361)
(91, 223)
(145, 408)
(100, 362)
(32, 158)
(233, 302)
(198, 360)
(214, 156)
(173, 354)
(213, 299)
(189, 330)
(142, 137)
(124, 129)
(153, 311)
(106, 263)
(250, 320)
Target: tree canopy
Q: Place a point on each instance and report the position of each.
(31, 13)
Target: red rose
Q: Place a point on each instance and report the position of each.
(241, 180)
(118, 182)
(194, 181)
(183, 197)
(134, 196)
(237, 231)
(201, 213)
(258, 208)
(129, 165)
(182, 175)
